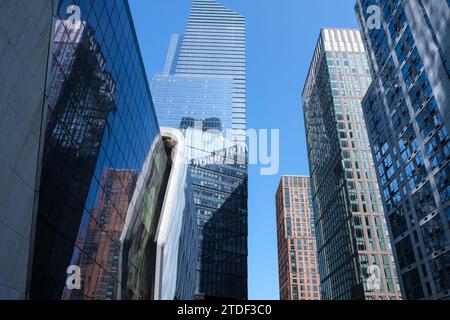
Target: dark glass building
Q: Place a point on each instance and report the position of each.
(354, 252)
(100, 129)
(100, 275)
(297, 249)
(408, 118)
(107, 172)
(202, 91)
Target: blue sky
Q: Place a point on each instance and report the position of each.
(281, 36)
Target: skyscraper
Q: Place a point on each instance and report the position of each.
(107, 208)
(297, 250)
(86, 134)
(354, 252)
(203, 92)
(408, 118)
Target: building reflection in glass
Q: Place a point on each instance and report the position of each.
(204, 84)
(75, 129)
(98, 277)
(101, 132)
(219, 177)
(137, 239)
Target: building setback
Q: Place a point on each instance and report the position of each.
(408, 118)
(297, 250)
(202, 91)
(354, 252)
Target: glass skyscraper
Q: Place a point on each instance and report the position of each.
(100, 130)
(297, 250)
(202, 91)
(354, 251)
(114, 198)
(408, 118)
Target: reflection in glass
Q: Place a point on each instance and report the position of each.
(101, 128)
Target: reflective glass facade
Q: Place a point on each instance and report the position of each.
(103, 160)
(214, 45)
(408, 118)
(177, 235)
(189, 238)
(202, 92)
(297, 249)
(354, 252)
(182, 97)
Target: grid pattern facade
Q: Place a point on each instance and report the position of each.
(190, 97)
(24, 55)
(297, 250)
(352, 238)
(214, 45)
(202, 92)
(97, 282)
(407, 113)
(101, 128)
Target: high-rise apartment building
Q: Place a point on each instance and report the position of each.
(354, 251)
(202, 91)
(107, 208)
(408, 118)
(297, 250)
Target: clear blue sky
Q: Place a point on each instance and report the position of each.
(281, 36)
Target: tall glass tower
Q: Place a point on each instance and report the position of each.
(408, 118)
(203, 92)
(354, 251)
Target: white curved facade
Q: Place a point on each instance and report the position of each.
(167, 250)
(178, 197)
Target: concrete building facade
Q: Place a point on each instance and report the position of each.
(354, 251)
